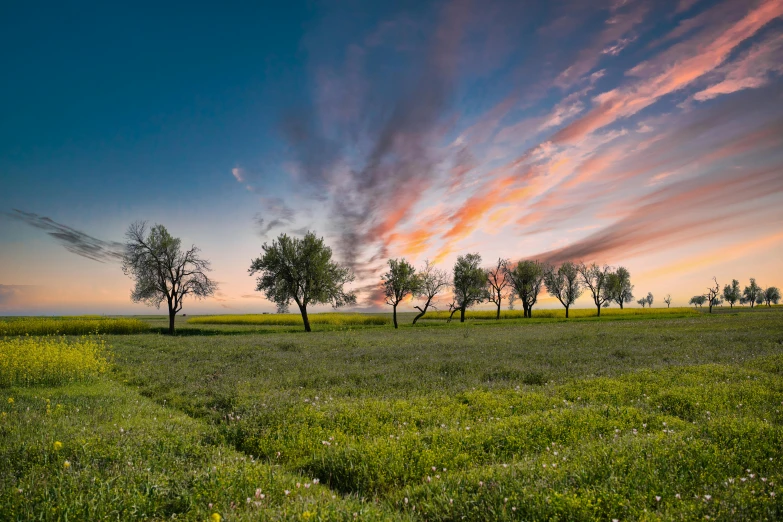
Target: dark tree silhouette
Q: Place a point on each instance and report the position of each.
(564, 284)
(668, 300)
(470, 283)
(596, 279)
(432, 282)
(527, 278)
(751, 293)
(497, 283)
(713, 294)
(399, 282)
(771, 295)
(620, 289)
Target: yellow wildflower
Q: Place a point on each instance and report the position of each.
(215, 518)
(67, 464)
(10, 400)
(58, 445)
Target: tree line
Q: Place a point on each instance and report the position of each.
(752, 295)
(302, 270)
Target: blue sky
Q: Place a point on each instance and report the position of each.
(627, 132)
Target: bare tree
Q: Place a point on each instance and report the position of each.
(399, 282)
(453, 308)
(162, 270)
(432, 282)
(564, 284)
(470, 283)
(713, 294)
(527, 278)
(668, 300)
(596, 279)
(497, 283)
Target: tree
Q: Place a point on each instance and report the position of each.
(527, 278)
(619, 286)
(697, 300)
(301, 270)
(668, 300)
(731, 293)
(713, 294)
(649, 299)
(596, 279)
(642, 301)
(470, 282)
(751, 292)
(564, 284)
(772, 295)
(399, 282)
(497, 282)
(162, 270)
(432, 282)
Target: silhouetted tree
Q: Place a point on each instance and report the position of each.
(162, 270)
(497, 283)
(399, 282)
(302, 270)
(620, 289)
(512, 297)
(432, 282)
(596, 279)
(642, 302)
(752, 292)
(527, 278)
(731, 293)
(771, 295)
(470, 283)
(563, 283)
(668, 300)
(713, 294)
(649, 299)
(697, 300)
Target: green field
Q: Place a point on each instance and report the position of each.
(652, 417)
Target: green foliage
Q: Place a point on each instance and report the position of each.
(470, 282)
(771, 295)
(399, 282)
(527, 278)
(731, 293)
(336, 319)
(77, 325)
(619, 287)
(752, 294)
(575, 313)
(564, 284)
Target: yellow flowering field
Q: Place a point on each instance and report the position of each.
(77, 325)
(26, 361)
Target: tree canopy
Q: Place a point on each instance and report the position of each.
(400, 281)
(301, 270)
(564, 284)
(470, 282)
(527, 278)
(619, 287)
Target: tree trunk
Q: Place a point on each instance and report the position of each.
(172, 315)
(303, 309)
(462, 314)
(498, 316)
(394, 315)
(422, 311)
(451, 315)
(621, 303)
(566, 312)
(598, 306)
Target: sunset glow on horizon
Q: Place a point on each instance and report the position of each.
(623, 132)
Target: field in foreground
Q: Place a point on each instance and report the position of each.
(668, 419)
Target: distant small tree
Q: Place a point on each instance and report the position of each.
(301, 270)
(398, 283)
(642, 302)
(713, 294)
(668, 300)
(619, 287)
(527, 278)
(731, 293)
(162, 270)
(697, 300)
(772, 295)
(512, 298)
(752, 292)
(596, 279)
(563, 283)
(432, 281)
(649, 299)
(470, 283)
(497, 283)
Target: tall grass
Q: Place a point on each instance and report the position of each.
(26, 361)
(333, 319)
(559, 313)
(77, 325)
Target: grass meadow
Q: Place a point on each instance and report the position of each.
(662, 416)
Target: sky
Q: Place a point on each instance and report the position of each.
(644, 134)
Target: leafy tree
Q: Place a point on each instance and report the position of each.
(399, 282)
(668, 300)
(470, 283)
(713, 295)
(162, 270)
(752, 292)
(432, 282)
(731, 293)
(619, 286)
(772, 295)
(497, 283)
(642, 301)
(564, 284)
(301, 270)
(649, 299)
(697, 300)
(527, 278)
(596, 279)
